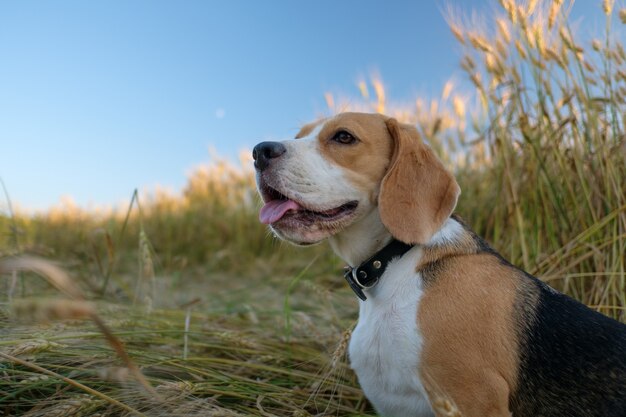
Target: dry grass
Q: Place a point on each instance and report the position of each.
(205, 359)
(222, 319)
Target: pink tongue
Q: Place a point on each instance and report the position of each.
(273, 210)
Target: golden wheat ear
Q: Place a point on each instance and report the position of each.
(417, 194)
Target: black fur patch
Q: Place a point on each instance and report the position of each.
(572, 361)
(431, 270)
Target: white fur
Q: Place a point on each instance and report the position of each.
(448, 233)
(386, 344)
(304, 172)
(360, 240)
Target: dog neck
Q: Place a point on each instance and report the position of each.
(361, 240)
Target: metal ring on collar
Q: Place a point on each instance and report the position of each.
(355, 278)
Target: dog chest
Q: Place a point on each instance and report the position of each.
(385, 346)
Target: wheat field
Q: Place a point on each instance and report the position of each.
(183, 304)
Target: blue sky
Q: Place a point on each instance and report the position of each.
(100, 97)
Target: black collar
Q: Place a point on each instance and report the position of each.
(369, 272)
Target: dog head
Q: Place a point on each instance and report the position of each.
(339, 170)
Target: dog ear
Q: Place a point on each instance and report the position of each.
(417, 194)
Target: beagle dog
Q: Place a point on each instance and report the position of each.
(446, 325)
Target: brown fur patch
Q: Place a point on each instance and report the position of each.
(470, 328)
(417, 194)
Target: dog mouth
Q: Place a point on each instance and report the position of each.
(279, 207)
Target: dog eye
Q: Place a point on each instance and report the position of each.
(344, 138)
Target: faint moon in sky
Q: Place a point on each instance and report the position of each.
(220, 113)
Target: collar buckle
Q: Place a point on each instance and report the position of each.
(351, 276)
(355, 277)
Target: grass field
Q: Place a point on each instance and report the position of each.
(182, 305)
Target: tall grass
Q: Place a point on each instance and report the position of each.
(555, 159)
(225, 320)
(542, 166)
(212, 224)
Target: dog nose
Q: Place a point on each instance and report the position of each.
(264, 152)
